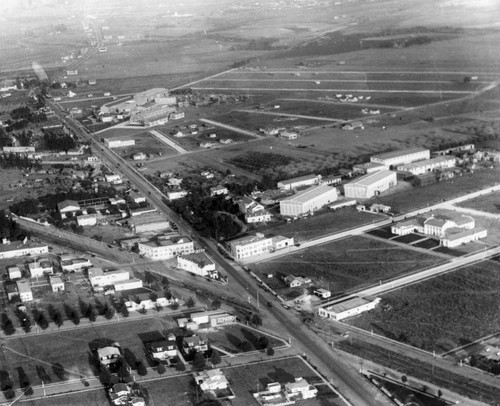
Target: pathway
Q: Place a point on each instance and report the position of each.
(167, 141)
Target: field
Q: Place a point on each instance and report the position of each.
(441, 313)
(71, 348)
(346, 264)
(91, 398)
(489, 203)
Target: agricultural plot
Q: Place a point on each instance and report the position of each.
(489, 203)
(441, 313)
(71, 348)
(144, 142)
(346, 264)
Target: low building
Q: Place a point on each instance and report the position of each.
(147, 223)
(75, 264)
(135, 197)
(21, 248)
(296, 281)
(175, 194)
(14, 273)
(150, 116)
(251, 246)
(161, 349)
(218, 190)
(165, 248)
(300, 389)
(322, 293)
(438, 225)
(401, 157)
(194, 343)
(332, 180)
(197, 263)
(453, 238)
(428, 165)
(99, 278)
(86, 220)
(342, 203)
(214, 318)
(143, 299)
(308, 201)
(129, 284)
(258, 217)
(368, 167)
(24, 290)
(118, 143)
(349, 307)
(56, 283)
(11, 289)
(140, 156)
(293, 183)
(370, 185)
(108, 356)
(289, 135)
(67, 206)
(113, 179)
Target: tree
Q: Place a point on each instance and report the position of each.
(40, 319)
(130, 357)
(161, 369)
(109, 313)
(199, 362)
(180, 366)
(123, 371)
(174, 305)
(149, 278)
(71, 314)
(105, 377)
(59, 371)
(246, 346)
(404, 379)
(263, 342)
(215, 358)
(153, 296)
(255, 320)
(7, 325)
(270, 351)
(190, 302)
(92, 314)
(124, 311)
(55, 315)
(141, 369)
(216, 304)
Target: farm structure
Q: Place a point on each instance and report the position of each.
(370, 185)
(403, 157)
(428, 165)
(308, 201)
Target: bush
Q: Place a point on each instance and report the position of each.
(161, 369)
(199, 362)
(190, 302)
(270, 351)
(180, 366)
(215, 357)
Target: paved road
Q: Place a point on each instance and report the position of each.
(230, 127)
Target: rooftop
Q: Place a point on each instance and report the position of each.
(299, 179)
(399, 153)
(18, 245)
(310, 193)
(436, 160)
(369, 179)
(350, 304)
(199, 258)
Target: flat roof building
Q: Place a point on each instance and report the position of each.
(165, 248)
(293, 183)
(401, 157)
(197, 263)
(349, 307)
(308, 201)
(20, 249)
(148, 222)
(370, 185)
(428, 165)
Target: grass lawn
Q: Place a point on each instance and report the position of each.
(441, 313)
(346, 264)
(71, 348)
(489, 203)
(229, 339)
(91, 398)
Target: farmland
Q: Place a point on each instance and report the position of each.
(441, 313)
(346, 264)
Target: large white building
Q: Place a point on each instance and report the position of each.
(148, 222)
(308, 201)
(401, 157)
(258, 244)
(198, 263)
(20, 249)
(370, 185)
(99, 278)
(165, 248)
(293, 183)
(151, 116)
(348, 308)
(428, 165)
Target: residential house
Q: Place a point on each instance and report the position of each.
(194, 343)
(144, 300)
(296, 281)
(14, 272)
(24, 290)
(66, 207)
(56, 283)
(300, 389)
(108, 356)
(218, 190)
(213, 381)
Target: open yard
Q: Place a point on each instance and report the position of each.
(346, 264)
(71, 348)
(489, 203)
(441, 313)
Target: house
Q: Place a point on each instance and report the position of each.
(176, 194)
(140, 156)
(295, 281)
(322, 293)
(113, 179)
(37, 269)
(14, 272)
(308, 200)
(108, 356)
(24, 290)
(143, 299)
(86, 220)
(218, 190)
(67, 206)
(258, 217)
(288, 135)
(213, 381)
(194, 343)
(136, 197)
(56, 283)
(75, 264)
(349, 307)
(197, 263)
(301, 389)
(11, 289)
(162, 349)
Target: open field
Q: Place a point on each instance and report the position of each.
(441, 313)
(346, 264)
(71, 348)
(489, 203)
(91, 398)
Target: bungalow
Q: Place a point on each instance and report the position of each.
(163, 349)
(108, 356)
(295, 281)
(323, 293)
(213, 381)
(140, 156)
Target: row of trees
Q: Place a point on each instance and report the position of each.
(18, 161)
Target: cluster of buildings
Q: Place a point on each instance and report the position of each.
(287, 394)
(207, 319)
(122, 394)
(452, 229)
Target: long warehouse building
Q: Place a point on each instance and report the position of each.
(402, 157)
(308, 200)
(370, 185)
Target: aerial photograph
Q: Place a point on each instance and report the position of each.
(249, 202)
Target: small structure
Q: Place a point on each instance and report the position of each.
(295, 281)
(75, 264)
(14, 273)
(300, 389)
(194, 343)
(56, 283)
(307, 180)
(108, 356)
(197, 263)
(349, 307)
(161, 349)
(86, 220)
(218, 190)
(323, 293)
(24, 290)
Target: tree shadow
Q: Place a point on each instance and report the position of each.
(6, 385)
(250, 337)
(233, 340)
(281, 376)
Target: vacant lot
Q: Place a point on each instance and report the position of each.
(489, 203)
(91, 398)
(346, 264)
(441, 313)
(71, 348)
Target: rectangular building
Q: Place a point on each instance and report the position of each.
(370, 185)
(428, 165)
(99, 278)
(151, 116)
(148, 222)
(165, 248)
(348, 308)
(197, 263)
(308, 201)
(118, 143)
(401, 157)
(20, 249)
(24, 290)
(258, 244)
(300, 181)
(368, 167)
